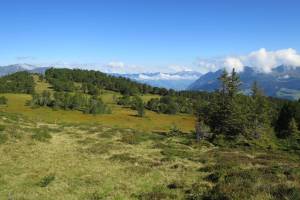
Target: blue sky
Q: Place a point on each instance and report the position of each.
(152, 34)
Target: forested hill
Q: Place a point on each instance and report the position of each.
(19, 82)
(64, 79)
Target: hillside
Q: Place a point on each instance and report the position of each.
(282, 82)
(121, 116)
(54, 152)
(95, 161)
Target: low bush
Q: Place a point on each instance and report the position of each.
(157, 193)
(45, 181)
(3, 138)
(41, 135)
(2, 128)
(3, 100)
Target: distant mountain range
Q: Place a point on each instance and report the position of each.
(177, 80)
(10, 69)
(282, 81)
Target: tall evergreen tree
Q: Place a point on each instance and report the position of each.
(293, 128)
(225, 112)
(283, 123)
(259, 109)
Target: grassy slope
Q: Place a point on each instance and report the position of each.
(120, 117)
(80, 161)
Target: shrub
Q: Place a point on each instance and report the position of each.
(41, 135)
(196, 192)
(138, 105)
(97, 106)
(124, 100)
(174, 130)
(2, 127)
(45, 181)
(157, 193)
(3, 100)
(3, 138)
(284, 192)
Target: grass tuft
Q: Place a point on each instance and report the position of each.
(45, 181)
(41, 135)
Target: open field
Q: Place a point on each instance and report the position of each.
(120, 117)
(41, 160)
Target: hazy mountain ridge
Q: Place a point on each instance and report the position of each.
(177, 80)
(283, 81)
(10, 69)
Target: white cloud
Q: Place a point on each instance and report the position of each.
(25, 58)
(178, 68)
(120, 68)
(262, 60)
(116, 64)
(167, 76)
(231, 62)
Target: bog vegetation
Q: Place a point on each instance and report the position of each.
(211, 146)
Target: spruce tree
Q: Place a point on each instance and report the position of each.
(284, 120)
(258, 116)
(225, 112)
(293, 128)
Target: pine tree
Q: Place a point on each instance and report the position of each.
(293, 128)
(284, 119)
(233, 84)
(226, 116)
(258, 116)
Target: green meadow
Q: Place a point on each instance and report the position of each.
(121, 117)
(42, 160)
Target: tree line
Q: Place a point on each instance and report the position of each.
(19, 82)
(133, 102)
(165, 104)
(68, 101)
(93, 81)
